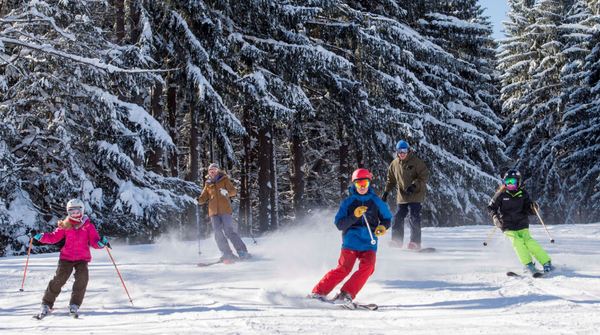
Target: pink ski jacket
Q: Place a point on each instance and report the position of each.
(78, 239)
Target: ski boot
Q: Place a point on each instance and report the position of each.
(318, 296)
(346, 298)
(227, 257)
(548, 266)
(530, 269)
(45, 310)
(244, 255)
(414, 246)
(73, 311)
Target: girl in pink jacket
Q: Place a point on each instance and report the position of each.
(79, 234)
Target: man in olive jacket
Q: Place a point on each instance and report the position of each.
(410, 174)
(217, 189)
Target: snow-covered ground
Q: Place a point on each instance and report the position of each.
(461, 289)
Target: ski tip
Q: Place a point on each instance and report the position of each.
(538, 274)
(511, 274)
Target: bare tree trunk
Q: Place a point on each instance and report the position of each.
(172, 106)
(194, 158)
(264, 191)
(273, 181)
(245, 205)
(120, 6)
(342, 157)
(134, 7)
(297, 173)
(156, 154)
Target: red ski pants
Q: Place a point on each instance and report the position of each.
(366, 266)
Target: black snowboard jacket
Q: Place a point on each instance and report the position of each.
(511, 210)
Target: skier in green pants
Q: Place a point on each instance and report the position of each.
(510, 208)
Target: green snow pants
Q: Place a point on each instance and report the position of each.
(524, 244)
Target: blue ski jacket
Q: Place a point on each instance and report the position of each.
(354, 230)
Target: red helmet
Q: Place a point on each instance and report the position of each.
(361, 174)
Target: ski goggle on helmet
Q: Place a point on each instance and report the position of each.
(360, 183)
(512, 180)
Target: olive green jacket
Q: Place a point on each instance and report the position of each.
(411, 170)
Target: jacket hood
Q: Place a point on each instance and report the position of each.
(220, 175)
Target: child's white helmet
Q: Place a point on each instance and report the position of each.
(75, 204)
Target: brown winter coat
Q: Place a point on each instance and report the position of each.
(217, 203)
(411, 170)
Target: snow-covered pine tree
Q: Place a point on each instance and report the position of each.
(75, 134)
(577, 144)
(537, 117)
(417, 91)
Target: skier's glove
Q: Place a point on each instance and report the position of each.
(411, 189)
(224, 192)
(535, 207)
(103, 242)
(34, 234)
(379, 231)
(359, 211)
(497, 221)
(384, 196)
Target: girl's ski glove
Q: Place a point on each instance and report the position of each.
(103, 242)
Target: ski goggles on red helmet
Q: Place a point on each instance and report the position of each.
(403, 150)
(362, 183)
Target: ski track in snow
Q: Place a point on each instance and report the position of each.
(461, 289)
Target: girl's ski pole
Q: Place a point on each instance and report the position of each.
(26, 263)
(542, 221)
(486, 241)
(111, 258)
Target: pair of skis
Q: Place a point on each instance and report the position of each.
(535, 275)
(342, 305)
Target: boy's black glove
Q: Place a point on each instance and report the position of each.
(411, 189)
(384, 196)
(498, 221)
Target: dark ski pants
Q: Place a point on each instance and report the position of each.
(414, 208)
(63, 272)
(223, 225)
(366, 266)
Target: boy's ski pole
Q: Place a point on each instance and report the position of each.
(486, 241)
(26, 263)
(111, 258)
(369, 229)
(198, 228)
(238, 215)
(542, 221)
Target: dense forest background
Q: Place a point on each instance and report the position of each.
(124, 104)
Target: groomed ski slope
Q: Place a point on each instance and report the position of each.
(462, 289)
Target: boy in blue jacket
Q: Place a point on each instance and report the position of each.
(362, 217)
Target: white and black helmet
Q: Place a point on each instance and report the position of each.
(75, 203)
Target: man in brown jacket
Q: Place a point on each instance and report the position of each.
(216, 190)
(410, 174)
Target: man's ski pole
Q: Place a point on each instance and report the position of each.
(486, 241)
(238, 215)
(369, 228)
(26, 263)
(198, 228)
(542, 221)
(111, 258)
